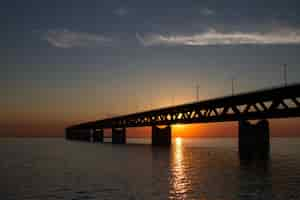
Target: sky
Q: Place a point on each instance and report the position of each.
(64, 62)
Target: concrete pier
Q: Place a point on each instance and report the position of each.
(118, 136)
(98, 135)
(161, 136)
(254, 140)
(78, 134)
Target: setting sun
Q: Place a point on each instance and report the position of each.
(178, 141)
(178, 130)
(178, 126)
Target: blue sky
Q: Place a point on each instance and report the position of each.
(66, 61)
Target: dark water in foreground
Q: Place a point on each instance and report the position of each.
(190, 169)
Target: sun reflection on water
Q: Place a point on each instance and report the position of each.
(179, 181)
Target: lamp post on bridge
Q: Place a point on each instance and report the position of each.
(197, 92)
(285, 74)
(232, 85)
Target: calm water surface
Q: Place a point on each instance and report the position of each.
(191, 169)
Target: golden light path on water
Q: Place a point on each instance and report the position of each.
(179, 181)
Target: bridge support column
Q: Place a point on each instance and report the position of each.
(118, 136)
(161, 136)
(254, 140)
(68, 134)
(78, 134)
(98, 135)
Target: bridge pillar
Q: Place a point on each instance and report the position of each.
(78, 134)
(118, 136)
(254, 140)
(83, 135)
(161, 136)
(98, 135)
(68, 135)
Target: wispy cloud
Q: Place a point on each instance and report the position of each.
(213, 37)
(69, 39)
(207, 11)
(120, 12)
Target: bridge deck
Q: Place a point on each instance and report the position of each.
(272, 103)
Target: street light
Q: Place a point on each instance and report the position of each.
(232, 85)
(197, 92)
(285, 74)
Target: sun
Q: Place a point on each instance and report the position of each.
(178, 141)
(178, 126)
(179, 130)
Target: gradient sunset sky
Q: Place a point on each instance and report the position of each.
(64, 62)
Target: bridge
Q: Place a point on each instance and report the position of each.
(281, 102)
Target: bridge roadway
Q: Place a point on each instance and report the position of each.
(281, 102)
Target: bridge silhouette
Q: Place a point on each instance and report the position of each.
(281, 102)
